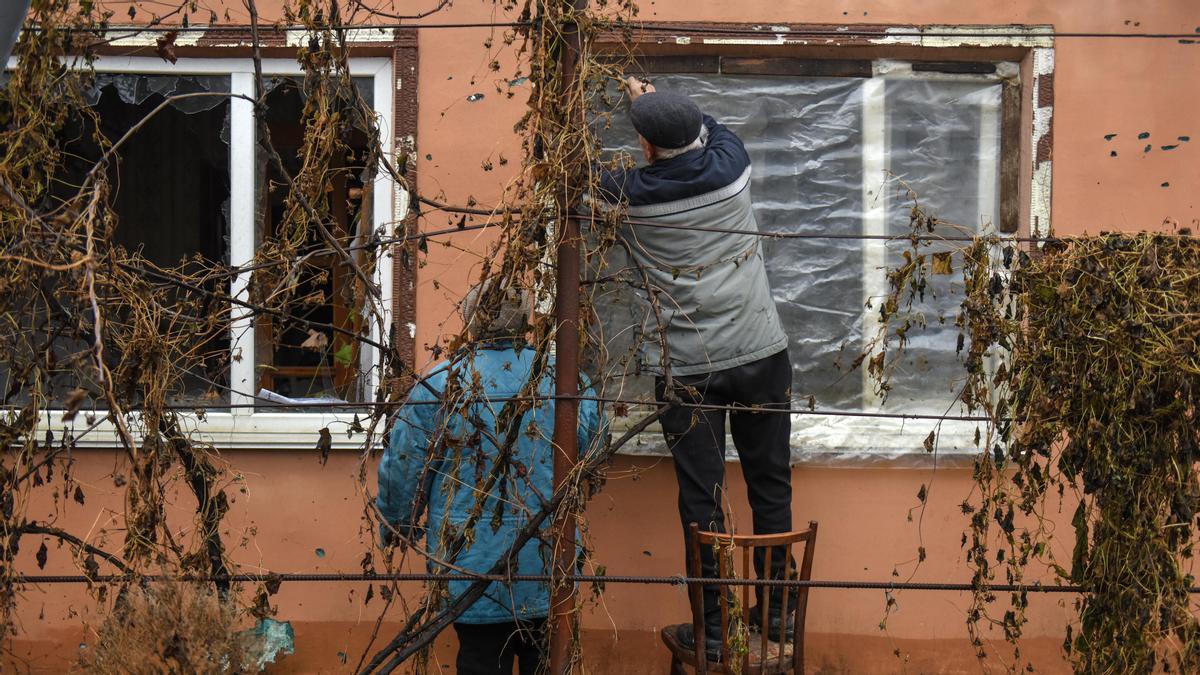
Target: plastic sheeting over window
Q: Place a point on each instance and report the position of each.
(848, 156)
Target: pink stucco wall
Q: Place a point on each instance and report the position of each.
(1102, 86)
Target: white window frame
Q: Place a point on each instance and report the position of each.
(890, 437)
(245, 426)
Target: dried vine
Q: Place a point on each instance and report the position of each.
(1083, 355)
(108, 339)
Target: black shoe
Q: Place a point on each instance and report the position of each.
(773, 624)
(712, 648)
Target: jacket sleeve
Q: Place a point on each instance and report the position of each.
(609, 186)
(724, 142)
(593, 424)
(402, 468)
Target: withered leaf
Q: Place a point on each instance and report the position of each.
(929, 442)
(316, 341)
(164, 46)
(325, 445)
(71, 405)
(942, 263)
(41, 556)
(78, 496)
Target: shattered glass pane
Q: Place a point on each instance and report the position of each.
(135, 89)
(169, 187)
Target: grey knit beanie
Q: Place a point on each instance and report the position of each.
(509, 319)
(668, 121)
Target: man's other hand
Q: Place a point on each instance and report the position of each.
(637, 86)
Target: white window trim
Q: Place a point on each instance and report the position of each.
(249, 427)
(888, 437)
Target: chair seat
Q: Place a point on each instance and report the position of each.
(670, 637)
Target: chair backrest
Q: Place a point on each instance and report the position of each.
(726, 548)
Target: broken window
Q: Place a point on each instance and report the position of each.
(192, 187)
(837, 158)
(294, 358)
(169, 192)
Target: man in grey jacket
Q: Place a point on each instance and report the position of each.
(725, 347)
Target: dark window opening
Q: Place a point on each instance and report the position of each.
(169, 199)
(295, 358)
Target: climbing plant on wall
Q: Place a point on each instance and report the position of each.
(1083, 356)
(100, 335)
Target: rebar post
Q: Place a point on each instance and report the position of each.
(566, 371)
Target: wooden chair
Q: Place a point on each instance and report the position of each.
(760, 656)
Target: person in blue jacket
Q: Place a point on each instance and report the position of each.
(440, 454)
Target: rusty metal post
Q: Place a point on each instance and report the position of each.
(566, 378)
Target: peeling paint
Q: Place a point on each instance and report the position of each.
(133, 35)
(401, 201)
(969, 36)
(1043, 116)
(138, 36)
(777, 40)
(299, 38)
(1040, 200)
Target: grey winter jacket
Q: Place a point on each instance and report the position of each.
(712, 287)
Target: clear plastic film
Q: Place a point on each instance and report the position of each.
(845, 157)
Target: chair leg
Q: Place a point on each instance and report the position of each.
(677, 666)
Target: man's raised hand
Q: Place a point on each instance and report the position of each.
(637, 86)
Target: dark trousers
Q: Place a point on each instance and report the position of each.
(490, 648)
(696, 437)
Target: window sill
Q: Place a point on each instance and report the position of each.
(226, 431)
(846, 442)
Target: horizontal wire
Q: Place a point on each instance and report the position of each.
(677, 580)
(598, 399)
(999, 237)
(834, 31)
(898, 238)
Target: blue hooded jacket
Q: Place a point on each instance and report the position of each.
(464, 454)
